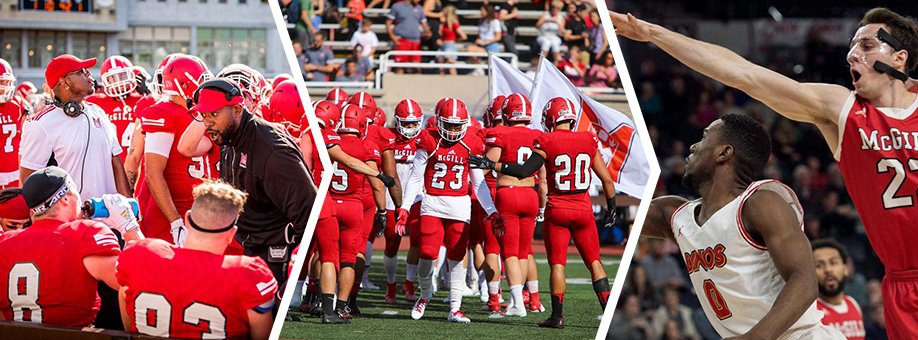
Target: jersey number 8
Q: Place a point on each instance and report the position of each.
(23, 292)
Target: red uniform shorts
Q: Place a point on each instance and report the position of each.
(437, 231)
(351, 237)
(900, 303)
(519, 207)
(563, 224)
(156, 225)
(327, 239)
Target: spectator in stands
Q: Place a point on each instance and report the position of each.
(290, 9)
(433, 11)
(573, 67)
(672, 310)
(628, 323)
(662, 269)
(639, 284)
(317, 65)
(450, 31)
(366, 39)
(575, 28)
(603, 72)
(363, 65)
(489, 31)
(300, 56)
(597, 37)
(305, 27)
(350, 72)
(550, 24)
(355, 16)
(405, 24)
(508, 13)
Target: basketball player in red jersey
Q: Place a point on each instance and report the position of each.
(517, 201)
(169, 174)
(832, 271)
(567, 155)
(13, 112)
(441, 170)
(868, 131)
(118, 98)
(196, 291)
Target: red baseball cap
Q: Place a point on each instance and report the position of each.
(211, 99)
(63, 64)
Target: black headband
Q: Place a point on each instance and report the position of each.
(195, 226)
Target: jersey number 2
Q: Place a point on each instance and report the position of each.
(23, 292)
(718, 304)
(440, 171)
(153, 316)
(890, 200)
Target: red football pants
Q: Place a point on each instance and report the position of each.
(351, 238)
(393, 241)
(436, 232)
(561, 225)
(519, 207)
(900, 303)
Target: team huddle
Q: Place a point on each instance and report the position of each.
(462, 192)
(164, 262)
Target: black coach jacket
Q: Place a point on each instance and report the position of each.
(265, 162)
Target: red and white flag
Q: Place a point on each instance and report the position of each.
(619, 142)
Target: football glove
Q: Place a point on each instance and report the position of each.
(611, 213)
(379, 222)
(120, 214)
(497, 224)
(401, 221)
(179, 233)
(481, 162)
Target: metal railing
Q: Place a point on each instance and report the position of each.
(341, 84)
(385, 64)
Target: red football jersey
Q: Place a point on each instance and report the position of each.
(846, 318)
(121, 113)
(347, 183)
(447, 172)
(184, 293)
(878, 156)
(382, 137)
(45, 262)
(515, 142)
(10, 133)
(569, 156)
(181, 173)
(331, 139)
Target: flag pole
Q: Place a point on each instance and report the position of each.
(490, 80)
(538, 76)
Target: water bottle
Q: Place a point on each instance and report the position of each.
(95, 208)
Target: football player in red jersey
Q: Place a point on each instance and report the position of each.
(118, 98)
(337, 96)
(441, 170)
(51, 270)
(346, 188)
(287, 108)
(14, 214)
(196, 291)
(863, 128)
(383, 139)
(832, 271)
(253, 85)
(27, 93)
(569, 213)
(487, 259)
(12, 113)
(408, 115)
(169, 174)
(517, 200)
(280, 77)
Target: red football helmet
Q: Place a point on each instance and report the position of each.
(183, 74)
(452, 119)
(493, 115)
(557, 110)
(517, 109)
(118, 79)
(251, 82)
(286, 105)
(7, 82)
(408, 116)
(353, 120)
(156, 86)
(337, 96)
(328, 113)
(431, 122)
(279, 78)
(379, 117)
(26, 90)
(364, 100)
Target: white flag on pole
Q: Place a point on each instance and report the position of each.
(506, 79)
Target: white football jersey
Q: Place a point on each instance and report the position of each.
(734, 276)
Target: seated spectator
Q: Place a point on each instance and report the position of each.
(597, 37)
(575, 29)
(366, 39)
(364, 65)
(489, 30)
(639, 284)
(300, 56)
(628, 323)
(662, 269)
(603, 72)
(316, 64)
(672, 310)
(508, 14)
(549, 25)
(573, 67)
(350, 72)
(450, 31)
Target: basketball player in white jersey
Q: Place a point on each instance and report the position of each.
(742, 241)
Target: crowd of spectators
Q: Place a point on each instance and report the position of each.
(569, 34)
(677, 105)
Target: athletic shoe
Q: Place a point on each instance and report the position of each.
(419, 307)
(408, 289)
(352, 309)
(390, 293)
(334, 318)
(552, 323)
(535, 304)
(493, 304)
(515, 311)
(526, 298)
(484, 297)
(458, 317)
(368, 285)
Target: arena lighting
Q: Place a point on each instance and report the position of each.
(775, 14)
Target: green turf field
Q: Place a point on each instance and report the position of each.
(382, 321)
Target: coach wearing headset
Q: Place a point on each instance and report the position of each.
(74, 134)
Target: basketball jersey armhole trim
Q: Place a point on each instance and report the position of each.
(739, 217)
(673, 216)
(842, 121)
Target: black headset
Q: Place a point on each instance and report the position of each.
(71, 108)
(229, 89)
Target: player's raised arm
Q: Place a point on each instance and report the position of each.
(657, 224)
(771, 217)
(811, 103)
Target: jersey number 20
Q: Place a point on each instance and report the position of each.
(579, 167)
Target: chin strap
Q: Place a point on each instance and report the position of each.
(882, 67)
